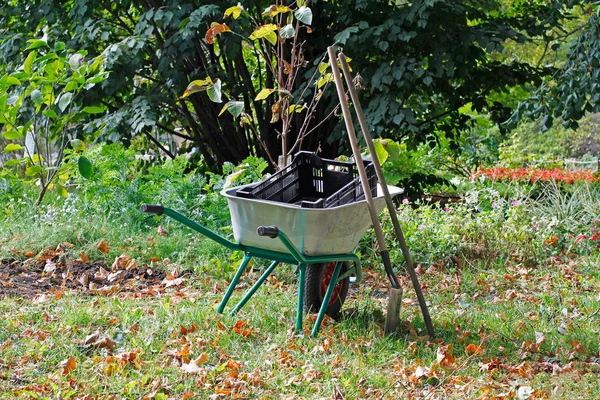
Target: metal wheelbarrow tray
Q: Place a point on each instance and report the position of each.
(319, 241)
(313, 231)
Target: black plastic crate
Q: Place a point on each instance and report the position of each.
(313, 182)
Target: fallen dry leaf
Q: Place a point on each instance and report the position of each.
(102, 274)
(99, 341)
(68, 365)
(84, 279)
(50, 267)
(102, 246)
(184, 331)
(473, 349)
(193, 367)
(123, 262)
(83, 258)
(162, 231)
(444, 356)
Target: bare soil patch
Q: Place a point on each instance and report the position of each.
(33, 278)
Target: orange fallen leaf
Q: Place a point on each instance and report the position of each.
(444, 356)
(184, 331)
(68, 365)
(102, 246)
(473, 349)
(234, 365)
(83, 258)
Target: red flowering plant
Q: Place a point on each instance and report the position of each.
(533, 175)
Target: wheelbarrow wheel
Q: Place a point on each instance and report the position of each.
(318, 277)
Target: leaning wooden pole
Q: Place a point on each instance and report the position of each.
(395, 291)
(388, 199)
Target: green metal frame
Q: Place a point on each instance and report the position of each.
(293, 257)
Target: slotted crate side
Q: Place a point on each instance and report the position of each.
(312, 182)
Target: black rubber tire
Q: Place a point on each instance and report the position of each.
(314, 288)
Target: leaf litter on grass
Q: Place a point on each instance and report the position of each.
(49, 273)
(498, 335)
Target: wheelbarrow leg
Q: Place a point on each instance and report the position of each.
(301, 282)
(325, 303)
(233, 283)
(254, 288)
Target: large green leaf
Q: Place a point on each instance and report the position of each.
(267, 32)
(287, 32)
(29, 62)
(93, 110)
(234, 11)
(214, 91)
(13, 135)
(33, 170)
(86, 169)
(77, 145)
(37, 97)
(263, 94)
(50, 114)
(12, 147)
(9, 163)
(304, 15)
(11, 80)
(64, 100)
(234, 107)
(36, 43)
(199, 85)
(380, 151)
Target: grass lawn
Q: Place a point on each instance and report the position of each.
(504, 330)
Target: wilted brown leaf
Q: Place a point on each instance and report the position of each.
(83, 258)
(473, 349)
(68, 365)
(214, 31)
(124, 262)
(84, 279)
(241, 329)
(50, 267)
(444, 356)
(184, 331)
(99, 341)
(161, 231)
(233, 365)
(193, 367)
(102, 274)
(102, 246)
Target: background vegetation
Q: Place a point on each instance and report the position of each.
(476, 106)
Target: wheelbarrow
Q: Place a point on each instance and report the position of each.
(320, 241)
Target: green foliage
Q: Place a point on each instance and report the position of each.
(572, 91)
(417, 71)
(530, 145)
(40, 110)
(421, 72)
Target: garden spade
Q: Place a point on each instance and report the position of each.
(395, 292)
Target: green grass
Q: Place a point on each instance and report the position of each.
(501, 305)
